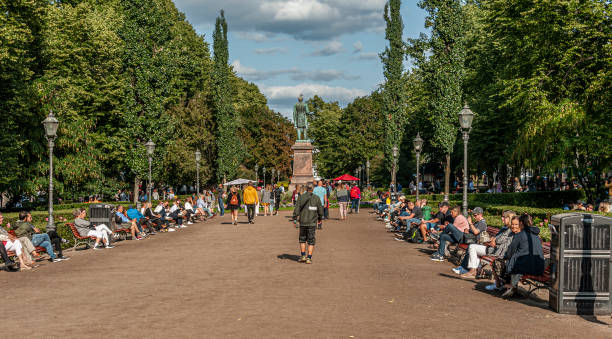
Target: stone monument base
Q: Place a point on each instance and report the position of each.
(302, 164)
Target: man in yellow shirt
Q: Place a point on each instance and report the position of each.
(250, 200)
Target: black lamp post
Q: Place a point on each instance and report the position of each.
(465, 120)
(150, 146)
(50, 124)
(368, 171)
(394, 170)
(198, 157)
(418, 146)
(257, 174)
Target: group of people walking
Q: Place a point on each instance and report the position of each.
(252, 198)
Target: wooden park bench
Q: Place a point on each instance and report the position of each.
(80, 240)
(532, 282)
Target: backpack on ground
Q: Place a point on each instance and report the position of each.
(413, 235)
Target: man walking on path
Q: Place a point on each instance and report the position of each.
(250, 200)
(309, 210)
(220, 197)
(355, 197)
(321, 192)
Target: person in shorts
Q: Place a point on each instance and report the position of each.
(309, 212)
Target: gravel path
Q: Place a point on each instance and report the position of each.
(218, 280)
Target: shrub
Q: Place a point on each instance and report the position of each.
(548, 199)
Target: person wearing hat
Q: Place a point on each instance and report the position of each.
(477, 227)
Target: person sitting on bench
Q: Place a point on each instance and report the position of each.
(176, 213)
(9, 242)
(86, 229)
(452, 233)
(525, 255)
(415, 216)
(153, 218)
(24, 228)
(125, 222)
(442, 218)
(134, 214)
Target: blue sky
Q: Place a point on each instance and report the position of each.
(324, 47)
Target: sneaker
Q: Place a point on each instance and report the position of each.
(235, 223)
(460, 270)
(96, 248)
(55, 260)
(492, 287)
(308, 261)
(398, 239)
(171, 230)
(109, 246)
(302, 259)
(64, 258)
(139, 238)
(437, 257)
(510, 293)
(189, 223)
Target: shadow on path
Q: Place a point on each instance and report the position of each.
(292, 257)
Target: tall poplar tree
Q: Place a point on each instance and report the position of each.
(229, 145)
(443, 71)
(147, 68)
(393, 89)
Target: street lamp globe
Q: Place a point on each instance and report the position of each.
(150, 146)
(51, 124)
(198, 155)
(465, 117)
(395, 151)
(418, 143)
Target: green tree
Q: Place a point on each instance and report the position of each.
(22, 142)
(440, 58)
(393, 88)
(147, 69)
(553, 100)
(81, 77)
(229, 147)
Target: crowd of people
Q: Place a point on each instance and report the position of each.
(517, 247)
(22, 238)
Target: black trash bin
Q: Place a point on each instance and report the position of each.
(102, 214)
(580, 254)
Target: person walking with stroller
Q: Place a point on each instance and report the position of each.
(309, 212)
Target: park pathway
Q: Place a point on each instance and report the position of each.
(218, 280)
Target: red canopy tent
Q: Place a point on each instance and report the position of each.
(346, 177)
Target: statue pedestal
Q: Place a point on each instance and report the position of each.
(302, 164)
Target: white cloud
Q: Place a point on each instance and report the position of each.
(367, 56)
(358, 47)
(332, 47)
(253, 74)
(254, 36)
(273, 50)
(301, 19)
(282, 98)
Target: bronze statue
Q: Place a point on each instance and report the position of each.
(300, 119)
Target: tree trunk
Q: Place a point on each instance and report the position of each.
(447, 177)
(136, 190)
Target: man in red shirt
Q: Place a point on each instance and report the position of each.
(355, 197)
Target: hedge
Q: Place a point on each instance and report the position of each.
(547, 199)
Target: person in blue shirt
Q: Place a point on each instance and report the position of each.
(135, 214)
(321, 192)
(125, 220)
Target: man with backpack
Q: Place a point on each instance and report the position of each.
(309, 211)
